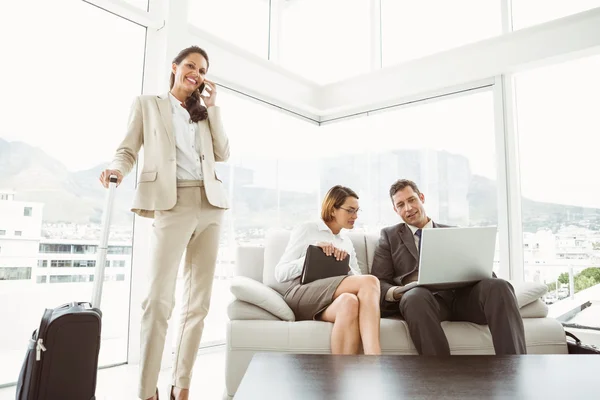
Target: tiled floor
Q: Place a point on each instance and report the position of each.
(120, 383)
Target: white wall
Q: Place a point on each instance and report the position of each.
(468, 66)
(554, 41)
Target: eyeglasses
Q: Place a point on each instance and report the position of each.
(351, 210)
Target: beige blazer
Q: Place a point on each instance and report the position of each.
(151, 125)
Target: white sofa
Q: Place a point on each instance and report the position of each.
(261, 321)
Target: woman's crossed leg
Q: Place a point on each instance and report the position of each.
(355, 315)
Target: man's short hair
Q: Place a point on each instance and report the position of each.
(400, 184)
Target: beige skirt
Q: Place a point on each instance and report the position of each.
(310, 300)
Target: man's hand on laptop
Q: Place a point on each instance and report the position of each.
(330, 250)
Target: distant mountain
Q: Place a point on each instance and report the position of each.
(535, 214)
(67, 196)
(78, 197)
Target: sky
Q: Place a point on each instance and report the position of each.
(71, 80)
(82, 77)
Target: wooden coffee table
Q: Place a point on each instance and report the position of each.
(275, 376)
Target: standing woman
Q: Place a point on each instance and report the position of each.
(178, 187)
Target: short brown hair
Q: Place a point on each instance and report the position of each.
(400, 184)
(335, 198)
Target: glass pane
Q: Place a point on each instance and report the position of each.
(526, 13)
(244, 23)
(272, 183)
(274, 170)
(414, 29)
(71, 82)
(558, 123)
(282, 185)
(316, 42)
(299, 192)
(447, 147)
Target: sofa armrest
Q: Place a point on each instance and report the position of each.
(536, 309)
(241, 310)
(262, 296)
(528, 292)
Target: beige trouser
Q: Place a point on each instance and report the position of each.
(193, 224)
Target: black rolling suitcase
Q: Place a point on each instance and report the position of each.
(576, 347)
(62, 357)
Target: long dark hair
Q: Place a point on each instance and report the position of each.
(197, 111)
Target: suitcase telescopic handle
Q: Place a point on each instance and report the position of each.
(103, 246)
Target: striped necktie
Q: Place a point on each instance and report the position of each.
(418, 233)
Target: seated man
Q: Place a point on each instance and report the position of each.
(491, 301)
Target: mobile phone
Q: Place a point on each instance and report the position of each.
(201, 89)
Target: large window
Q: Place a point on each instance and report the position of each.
(272, 181)
(532, 12)
(447, 147)
(414, 29)
(244, 23)
(68, 87)
(274, 171)
(277, 174)
(557, 126)
(325, 40)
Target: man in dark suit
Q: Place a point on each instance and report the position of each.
(396, 262)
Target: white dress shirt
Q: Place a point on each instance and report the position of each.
(389, 296)
(292, 261)
(187, 153)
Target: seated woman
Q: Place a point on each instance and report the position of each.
(351, 302)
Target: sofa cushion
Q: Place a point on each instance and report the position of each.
(360, 241)
(276, 241)
(372, 240)
(542, 335)
(249, 261)
(310, 337)
(241, 310)
(360, 247)
(253, 292)
(528, 292)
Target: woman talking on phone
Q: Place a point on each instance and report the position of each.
(177, 187)
(350, 302)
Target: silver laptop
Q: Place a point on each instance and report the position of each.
(455, 257)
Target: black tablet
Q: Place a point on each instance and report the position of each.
(318, 265)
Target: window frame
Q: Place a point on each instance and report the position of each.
(160, 41)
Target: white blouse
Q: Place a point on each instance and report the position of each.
(292, 261)
(187, 152)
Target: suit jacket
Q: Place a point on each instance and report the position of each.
(151, 125)
(396, 256)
